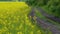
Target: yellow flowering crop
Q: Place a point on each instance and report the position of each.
(14, 20)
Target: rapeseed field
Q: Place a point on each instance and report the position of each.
(14, 19)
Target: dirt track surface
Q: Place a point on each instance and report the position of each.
(49, 16)
(45, 24)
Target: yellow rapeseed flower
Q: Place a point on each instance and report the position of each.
(38, 32)
(19, 33)
(31, 32)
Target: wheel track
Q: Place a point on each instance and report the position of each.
(44, 24)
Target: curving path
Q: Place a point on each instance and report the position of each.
(45, 24)
(48, 16)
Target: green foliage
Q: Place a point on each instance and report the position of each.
(54, 7)
(37, 2)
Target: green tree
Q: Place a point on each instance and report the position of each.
(54, 7)
(37, 2)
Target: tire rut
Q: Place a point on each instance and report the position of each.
(45, 25)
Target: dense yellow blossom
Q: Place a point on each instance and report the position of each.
(14, 19)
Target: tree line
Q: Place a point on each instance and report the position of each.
(52, 6)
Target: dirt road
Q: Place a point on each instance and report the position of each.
(45, 24)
